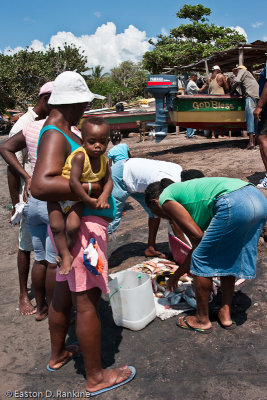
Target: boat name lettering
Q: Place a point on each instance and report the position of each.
(212, 104)
(159, 79)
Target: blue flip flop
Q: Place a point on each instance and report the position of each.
(50, 369)
(133, 372)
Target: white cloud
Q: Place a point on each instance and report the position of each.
(264, 38)
(97, 14)
(240, 30)
(257, 24)
(105, 47)
(164, 32)
(10, 52)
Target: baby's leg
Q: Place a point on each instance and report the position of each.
(73, 224)
(57, 224)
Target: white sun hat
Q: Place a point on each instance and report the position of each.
(215, 67)
(71, 88)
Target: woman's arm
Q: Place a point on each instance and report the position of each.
(183, 219)
(15, 170)
(9, 148)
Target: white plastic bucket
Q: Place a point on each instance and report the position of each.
(132, 301)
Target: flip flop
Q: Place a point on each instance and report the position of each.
(133, 372)
(191, 328)
(227, 327)
(50, 369)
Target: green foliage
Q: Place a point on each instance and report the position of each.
(22, 74)
(132, 77)
(125, 83)
(105, 86)
(190, 42)
(194, 13)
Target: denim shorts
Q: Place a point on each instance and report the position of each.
(251, 104)
(121, 194)
(25, 239)
(37, 222)
(229, 246)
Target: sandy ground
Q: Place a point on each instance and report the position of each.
(171, 363)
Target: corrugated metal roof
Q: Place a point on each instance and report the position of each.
(254, 53)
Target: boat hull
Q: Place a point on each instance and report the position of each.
(209, 112)
(123, 120)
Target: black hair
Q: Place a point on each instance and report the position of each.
(94, 120)
(115, 136)
(188, 174)
(154, 190)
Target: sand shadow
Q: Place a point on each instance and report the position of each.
(241, 303)
(221, 143)
(111, 337)
(129, 250)
(255, 178)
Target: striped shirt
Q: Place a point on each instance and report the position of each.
(31, 134)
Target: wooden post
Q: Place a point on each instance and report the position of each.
(110, 100)
(241, 56)
(206, 68)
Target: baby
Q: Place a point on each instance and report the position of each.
(85, 164)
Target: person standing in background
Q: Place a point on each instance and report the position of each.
(250, 92)
(16, 188)
(193, 89)
(217, 85)
(260, 114)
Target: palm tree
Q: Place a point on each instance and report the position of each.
(97, 72)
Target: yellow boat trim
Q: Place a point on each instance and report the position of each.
(217, 116)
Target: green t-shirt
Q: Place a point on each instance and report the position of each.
(197, 196)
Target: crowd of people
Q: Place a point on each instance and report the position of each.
(240, 82)
(73, 194)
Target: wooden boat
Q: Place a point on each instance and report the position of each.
(142, 110)
(125, 119)
(209, 112)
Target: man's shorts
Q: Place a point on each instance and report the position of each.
(25, 239)
(251, 104)
(262, 124)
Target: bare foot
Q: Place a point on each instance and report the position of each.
(225, 318)
(151, 252)
(250, 147)
(194, 323)
(69, 352)
(25, 306)
(41, 315)
(64, 264)
(107, 378)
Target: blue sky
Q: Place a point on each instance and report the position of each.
(112, 31)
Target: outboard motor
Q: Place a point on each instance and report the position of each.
(163, 88)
